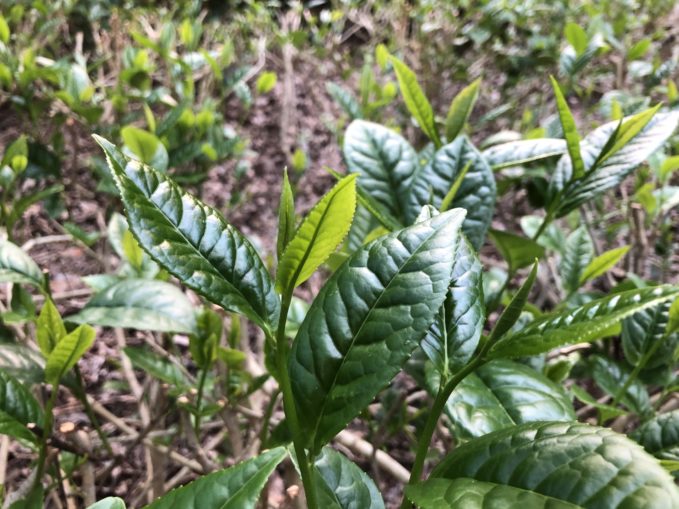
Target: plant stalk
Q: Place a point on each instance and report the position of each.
(46, 433)
(199, 401)
(82, 396)
(637, 369)
(437, 408)
(289, 405)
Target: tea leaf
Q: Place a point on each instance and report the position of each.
(192, 241)
(321, 231)
(416, 102)
(366, 321)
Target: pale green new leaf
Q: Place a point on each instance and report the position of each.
(472, 494)
(365, 322)
(576, 36)
(49, 327)
(460, 109)
(582, 324)
(322, 230)
(611, 171)
(629, 128)
(67, 352)
(416, 102)
(603, 263)
(286, 216)
(17, 267)
(237, 487)
(570, 131)
(145, 146)
(140, 304)
(588, 466)
(18, 408)
(193, 241)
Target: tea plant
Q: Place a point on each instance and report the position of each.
(403, 287)
(407, 296)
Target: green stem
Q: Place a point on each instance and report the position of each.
(637, 369)
(46, 433)
(199, 401)
(545, 223)
(437, 408)
(266, 420)
(289, 405)
(81, 394)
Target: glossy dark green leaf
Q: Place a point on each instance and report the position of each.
(21, 362)
(460, 109)
(17, 267)
(286, 216)
(18, 408)
(605, 411)
(385, 162)
(472, 494)
(49, 327)
(615, 168)
(158, 367)
(193, 241)
(67, 352)
(611, 376)
(343, 485)
(366, 321)
(457, 328)
(660, 436)
(345, 99)
(641, 331)
(416, 102)
(585, 465)
(476, 193)
(518, 252)
(321, 232)
(140, 304)
(502, 394)
(516, 153)
(109, 503)
(582, 324)
(577, 255)
(237, 487)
